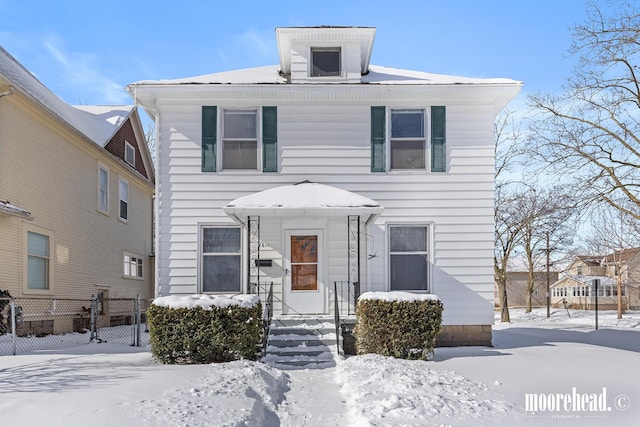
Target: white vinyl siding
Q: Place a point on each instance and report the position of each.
(330, 144)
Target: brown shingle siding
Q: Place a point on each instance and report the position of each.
(116, 146)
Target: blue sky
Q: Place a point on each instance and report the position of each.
(87, 51)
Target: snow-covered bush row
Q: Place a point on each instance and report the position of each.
(198, 329)
(397, 324)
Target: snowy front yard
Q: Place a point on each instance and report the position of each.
(547, 359)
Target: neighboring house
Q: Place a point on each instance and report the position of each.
(322, 170)
(76, 195)
(577, 290)
(517, 279)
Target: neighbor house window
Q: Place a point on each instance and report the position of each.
(103, 189)
(129, 154)
(407, 144)
(325, 62)
(132, 266)
(240, 139)
(220, 270)
(38, 261)
(124, 199)
(408, 258)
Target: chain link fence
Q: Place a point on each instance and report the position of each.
(39, 324)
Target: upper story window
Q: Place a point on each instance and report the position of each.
(240, 139)
(129, 154)
(124, 199)
(325, 61)
(103, 189)
(407, 144)
(244, 142)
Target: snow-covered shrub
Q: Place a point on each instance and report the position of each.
(397, 324)
(208, 332)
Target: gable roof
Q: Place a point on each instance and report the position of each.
(96, 123)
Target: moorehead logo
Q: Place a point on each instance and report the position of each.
(574, 402)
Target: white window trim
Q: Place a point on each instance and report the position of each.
(221, 139)
(426, 111)
(340, 49)
(25, 268)
(130, 146)
(430, 245)
(131, 256)
(201, 253)
(122, 180)
(106, 169)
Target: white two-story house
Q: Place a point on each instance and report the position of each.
(324, 170)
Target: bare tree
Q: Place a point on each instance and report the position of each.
(591, 131)
(507, 227)
(545, 214)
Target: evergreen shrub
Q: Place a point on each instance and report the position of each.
(204, 335)
(400, 329)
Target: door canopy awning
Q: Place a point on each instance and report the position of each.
(303, 198)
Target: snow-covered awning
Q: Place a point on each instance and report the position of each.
(304, 198)
(8, 209)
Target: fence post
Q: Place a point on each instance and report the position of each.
(94, 332)
(136, 336)
(12, 303)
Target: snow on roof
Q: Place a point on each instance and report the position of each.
(377, 75)
(303, 198)
(7, 208)
(96, 123)
(206, 301)
(398, 296)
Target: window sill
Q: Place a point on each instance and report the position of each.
(133, 278)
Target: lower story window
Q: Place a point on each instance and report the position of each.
(38, 248)
(221, 259)
(132, 266)
(408, 258)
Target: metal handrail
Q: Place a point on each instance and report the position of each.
(350, 300)
(267, 306)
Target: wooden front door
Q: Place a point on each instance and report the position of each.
(304, 289)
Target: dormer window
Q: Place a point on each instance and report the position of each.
(325, 62)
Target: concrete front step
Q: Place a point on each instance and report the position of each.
(301, 343)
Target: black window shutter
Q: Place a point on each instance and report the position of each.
(269, 139)
(209, 135)
(438, 139)
(378, 151)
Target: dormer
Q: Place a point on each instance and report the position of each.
(325, 54)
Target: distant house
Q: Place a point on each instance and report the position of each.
(577, 290)
(517, 280)
(324, 170)
(76, 195)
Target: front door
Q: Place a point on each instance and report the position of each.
(304, 291)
